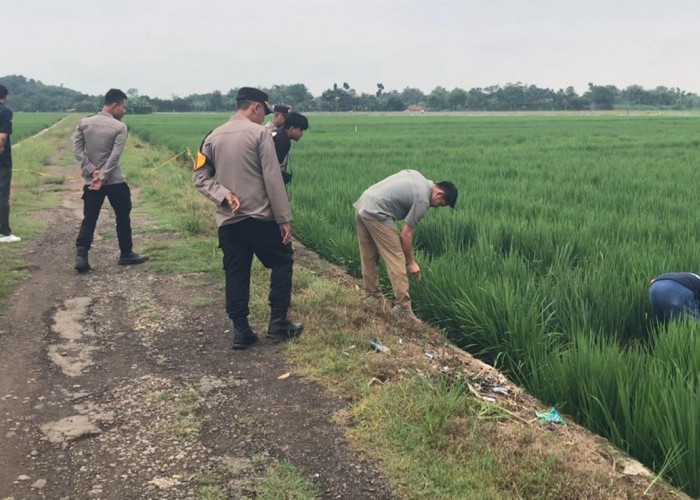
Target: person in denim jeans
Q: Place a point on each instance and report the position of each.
(673, 295)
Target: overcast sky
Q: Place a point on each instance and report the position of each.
(170, 47)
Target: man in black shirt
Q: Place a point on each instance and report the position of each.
(294, 126)
(6, 235)
(673, 295)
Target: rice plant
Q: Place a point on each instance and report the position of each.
(543, 266)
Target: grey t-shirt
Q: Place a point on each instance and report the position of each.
(402, 196)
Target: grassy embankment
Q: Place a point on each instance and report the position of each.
(29, 158)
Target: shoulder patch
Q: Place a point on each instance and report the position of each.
(201, 159)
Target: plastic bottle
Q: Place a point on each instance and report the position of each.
(379, 347)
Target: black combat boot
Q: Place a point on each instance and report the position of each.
(243, 334)
(281, 329)
(132, 258)
(81, 260)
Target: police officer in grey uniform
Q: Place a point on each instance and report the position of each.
(277, 121)
(98, 143)
(237, 169)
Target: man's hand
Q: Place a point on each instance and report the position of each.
(95, 183)
(233, 202)
(286, 232)
(414, 269)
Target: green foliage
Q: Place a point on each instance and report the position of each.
(284, 481)
(27, 124)
(29, 188)
(32, 95)
(543, 266)
(437, 441)
(166, 181)
(176, 132)
(12, 270)
(602, 96)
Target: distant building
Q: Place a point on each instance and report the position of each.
(414, 108)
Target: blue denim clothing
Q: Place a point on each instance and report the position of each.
(670, 300)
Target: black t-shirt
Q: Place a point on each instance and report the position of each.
(6, 128)
(282, 145)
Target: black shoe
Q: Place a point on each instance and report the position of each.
(243, 339)
(132, 258)
(81, 261)
(283, 329)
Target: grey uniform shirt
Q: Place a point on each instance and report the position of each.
(98, 144)
(269, 126)
(245, 164)
(402, 196)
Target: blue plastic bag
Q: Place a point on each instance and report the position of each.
(551, 416)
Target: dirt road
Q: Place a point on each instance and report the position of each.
(113, 385)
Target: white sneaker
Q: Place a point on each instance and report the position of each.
(10, 238)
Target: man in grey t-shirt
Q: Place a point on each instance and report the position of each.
(406, 196)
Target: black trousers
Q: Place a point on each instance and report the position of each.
(119, 197)
(239, 242)
(5, 180)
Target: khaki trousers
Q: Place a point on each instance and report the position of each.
(375, 240)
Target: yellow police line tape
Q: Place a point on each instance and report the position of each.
(186, 151)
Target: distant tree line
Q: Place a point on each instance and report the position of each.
(31, 95)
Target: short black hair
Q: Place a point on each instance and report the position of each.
(3, 92)
(450, 191)
(295, 119)
(243, 104)
(114, 96)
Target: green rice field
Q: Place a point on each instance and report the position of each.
(27, 124)
(543, 267)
